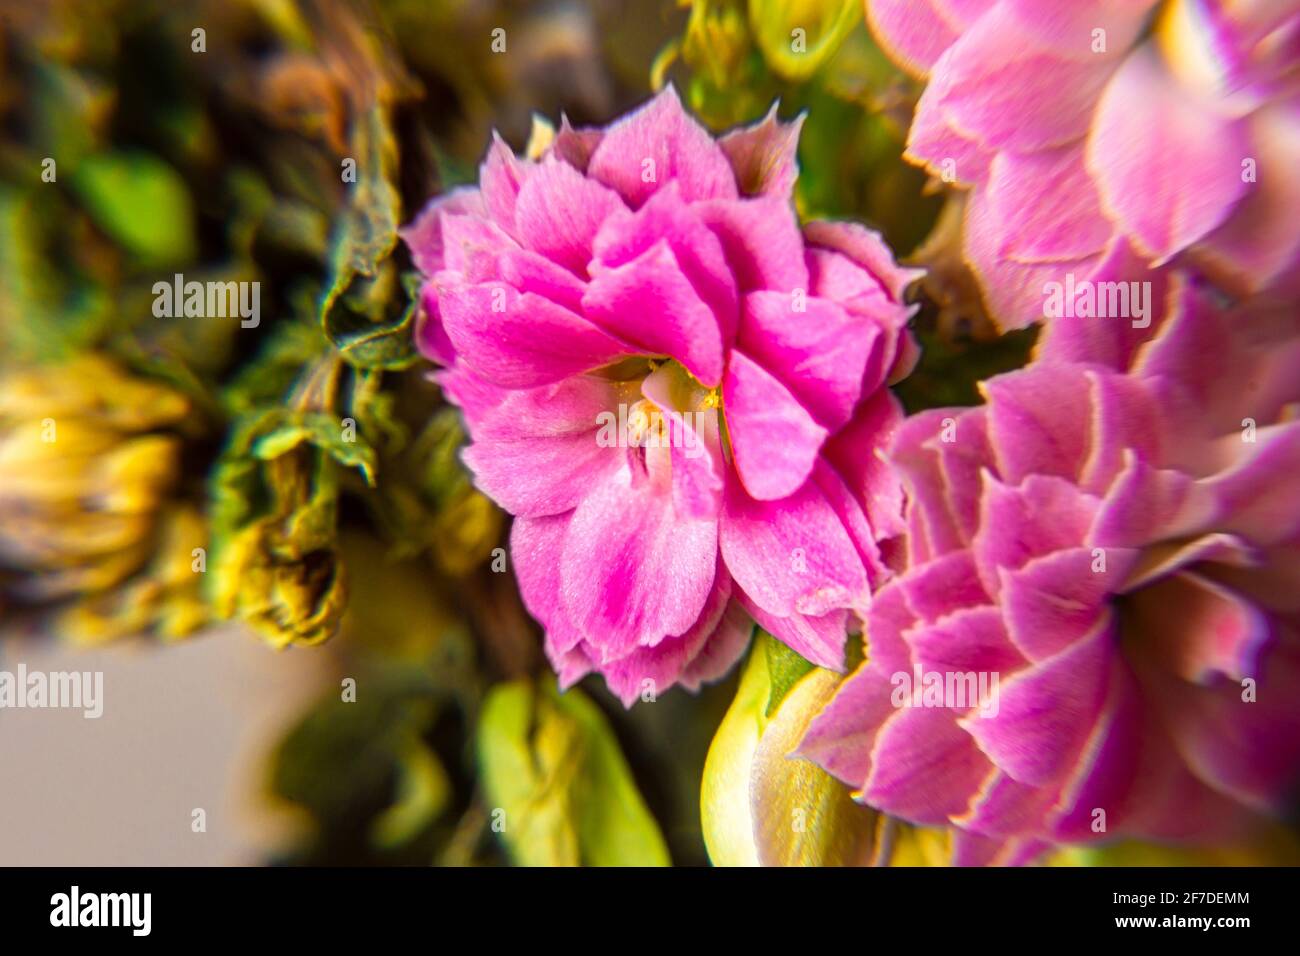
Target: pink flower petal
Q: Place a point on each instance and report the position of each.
(1126, 416)
(559, 211)
(634, 572)
(818, 638)
(1146, 504)
(941, 587)
(470, 244)
(666, 217)
(1259, 243)
(501, 176)
(914, 452)
(818, 352)
(1057, 599)
(520, 341)
(1169, 169)
(912, 32)
(537, 452)
(575, 146)
(536, 547)
(1198, 629)
(1015, 293)
(857, 452)
(724, 647)
(1046, 206)
(1018, 524)
(969, 640)
(1045, 713)
(761, 240)
(423, 235)
(841, 737)
(774, 440)
(1039, 421)
(763, 155)
(1108, 767)
(657, 668)
(659, 143)
(430, 335)
(866, 248)
(946, 152)
(1008, 94)
(1247, 750)
(649, 302)
(1067, 28)
(791, 555)
(924, 767)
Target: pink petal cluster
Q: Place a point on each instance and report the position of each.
(1116, 534)
(675, 389)
(1103, 137)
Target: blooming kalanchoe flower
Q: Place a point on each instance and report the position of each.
(1114, 534)
(674, 389)
(1104, 137)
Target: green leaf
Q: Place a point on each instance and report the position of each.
(785, 668)
(141, 202)
(556, 780)
(615, 826)
(45, 313)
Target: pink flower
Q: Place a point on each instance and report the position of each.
(1095, 147)
(1119, 542)
(675, 390)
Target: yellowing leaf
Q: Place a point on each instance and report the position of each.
(557, 786)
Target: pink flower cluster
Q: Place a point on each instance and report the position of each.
(1114, 535)
(681, 395)
(1118, 541)
(675, 389)
(1102, 137)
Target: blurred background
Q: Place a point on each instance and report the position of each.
(316, 642)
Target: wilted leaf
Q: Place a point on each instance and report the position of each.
(323, 431)
(365, 310)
